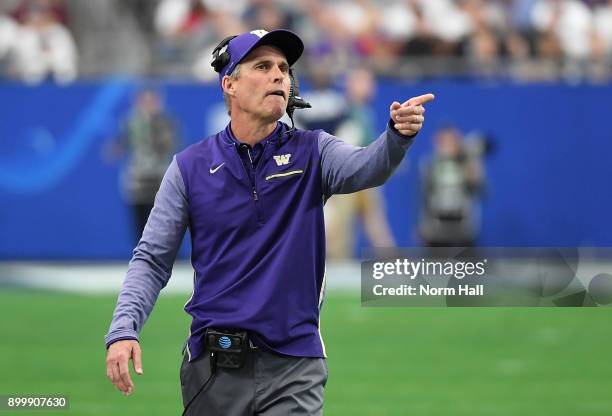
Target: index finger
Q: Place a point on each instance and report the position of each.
(421, 99)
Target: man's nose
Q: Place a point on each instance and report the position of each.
(278, 74)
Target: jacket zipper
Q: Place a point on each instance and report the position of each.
(261, 161)
(252, 183)
(248, 177)
(255, 197)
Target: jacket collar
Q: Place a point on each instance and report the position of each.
(229, 138)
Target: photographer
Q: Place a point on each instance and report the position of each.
(452, 181)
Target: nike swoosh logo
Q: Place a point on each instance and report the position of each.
(211, 170)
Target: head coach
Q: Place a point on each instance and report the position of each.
(252, 196)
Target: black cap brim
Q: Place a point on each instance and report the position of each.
(288, 42)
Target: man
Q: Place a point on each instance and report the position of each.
(452, 182)
(342, 212)
(149, 137)
(252, 196)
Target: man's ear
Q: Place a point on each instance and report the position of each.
(228, 85)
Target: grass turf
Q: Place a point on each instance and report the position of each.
(382, 361)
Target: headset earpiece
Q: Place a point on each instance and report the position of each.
(221, 56)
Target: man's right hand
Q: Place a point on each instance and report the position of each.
(117, 370)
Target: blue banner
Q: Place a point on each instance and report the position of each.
(547, 180)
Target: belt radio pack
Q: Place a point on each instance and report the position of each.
(228, 349)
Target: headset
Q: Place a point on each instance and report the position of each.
(221, 58)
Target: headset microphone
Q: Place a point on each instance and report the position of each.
(295, 101)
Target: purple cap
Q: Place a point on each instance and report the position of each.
(288, 42)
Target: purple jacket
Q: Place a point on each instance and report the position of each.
(258, 239)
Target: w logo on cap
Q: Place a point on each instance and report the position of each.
(259, 32)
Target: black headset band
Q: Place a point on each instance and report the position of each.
(224, 42)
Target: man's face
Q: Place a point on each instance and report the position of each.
(148, 103)
(448, 142)
(262, 88)
(361, 86)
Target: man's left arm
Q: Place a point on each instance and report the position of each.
(347, 168)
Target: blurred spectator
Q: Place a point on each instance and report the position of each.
(602, 26)
(143, 12)
(268, 15)
(8, 36)
(182, 29)
(564, 28)
(327, 47)
(234, 8)
(56, 8)
(484, 44)
(397, 26)
(328, 112)
(452, 180)
(525, 39)
(355, 22)
(44, 47)
(190, 29)
(176, 18)
(449, 23)
(149, 137)
(342, 211)
(420, 39)
(518, 14)
(328, 103)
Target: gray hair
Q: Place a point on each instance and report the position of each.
(234, 75)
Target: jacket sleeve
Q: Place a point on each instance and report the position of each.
(151, 265)
(347, 168)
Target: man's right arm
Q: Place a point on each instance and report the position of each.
(150, 268)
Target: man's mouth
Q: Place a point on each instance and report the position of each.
(280, 93)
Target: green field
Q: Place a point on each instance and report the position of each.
(382, 361)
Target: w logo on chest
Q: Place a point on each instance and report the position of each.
(282, 159)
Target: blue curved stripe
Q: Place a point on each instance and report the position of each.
(77, 141)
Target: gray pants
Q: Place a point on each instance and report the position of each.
(267, 385)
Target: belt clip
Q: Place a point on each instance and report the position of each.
(228, 347)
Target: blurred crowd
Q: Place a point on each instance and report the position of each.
(524, 39)
(35, 42)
